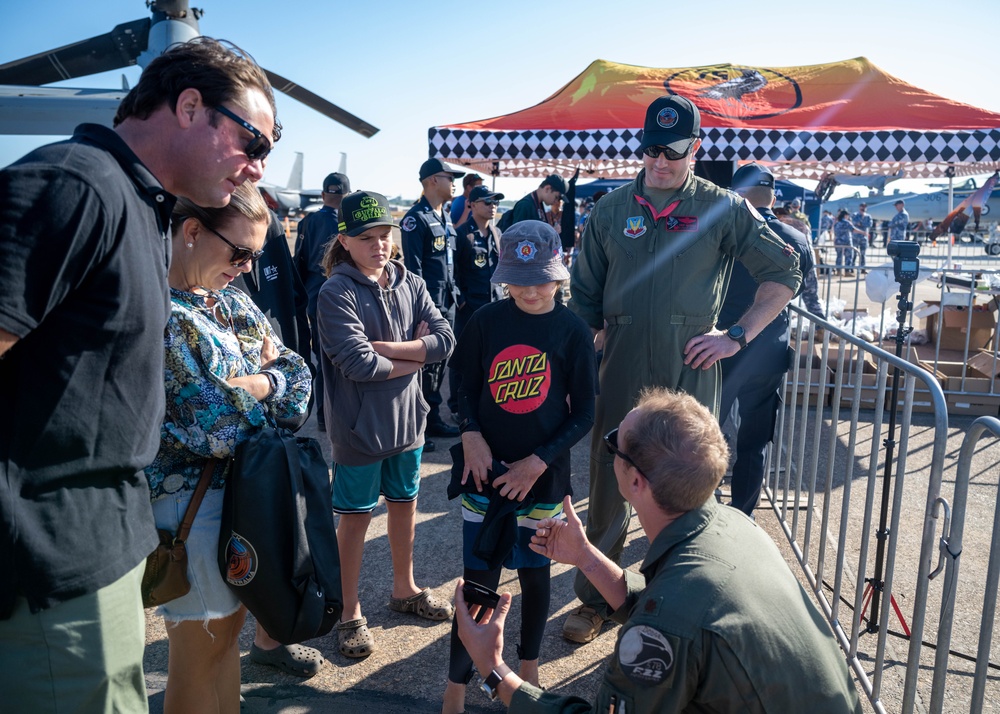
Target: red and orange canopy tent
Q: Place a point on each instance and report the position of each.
(841, 117)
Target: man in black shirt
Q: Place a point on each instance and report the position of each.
(84, 247)
(314, 232)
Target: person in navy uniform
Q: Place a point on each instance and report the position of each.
(863, 222)
(753, 376)
(428, 246)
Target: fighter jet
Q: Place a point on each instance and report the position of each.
(932, 206)
(292, 198)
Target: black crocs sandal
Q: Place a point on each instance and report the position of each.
(297, 660)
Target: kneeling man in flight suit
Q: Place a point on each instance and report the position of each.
(714, 622)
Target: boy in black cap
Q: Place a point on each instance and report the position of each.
(428, 244)
(652, 267)
(527, 397)
(314, 232)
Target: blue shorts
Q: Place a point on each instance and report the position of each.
(210, 598)
(356, 488)
(474, 508)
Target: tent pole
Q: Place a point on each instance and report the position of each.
(951, 206)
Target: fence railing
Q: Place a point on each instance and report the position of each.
(865, 528)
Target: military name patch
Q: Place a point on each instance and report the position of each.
(409, 223)
(635, 226)
(682, 223)
(645, 656)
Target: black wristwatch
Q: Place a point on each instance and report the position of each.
(737, 334)
(490, 684)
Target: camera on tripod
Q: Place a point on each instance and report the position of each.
(905, 264)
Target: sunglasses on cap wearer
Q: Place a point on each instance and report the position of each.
(450, 178)
(611, 442)
(259, 146)
(654, 152)
(488, 202)
(240, 255)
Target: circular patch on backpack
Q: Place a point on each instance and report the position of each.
(242, 559)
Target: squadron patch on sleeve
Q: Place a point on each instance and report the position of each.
(409, 223)
(645, 656)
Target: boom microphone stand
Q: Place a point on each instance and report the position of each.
(906, 268)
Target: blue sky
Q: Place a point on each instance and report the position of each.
(407, 66)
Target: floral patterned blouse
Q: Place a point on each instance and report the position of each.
(205, 416)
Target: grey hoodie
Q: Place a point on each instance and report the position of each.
(370, 417)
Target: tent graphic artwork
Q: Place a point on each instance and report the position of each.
(808, 121)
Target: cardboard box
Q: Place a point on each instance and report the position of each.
(985, 364)
(809, 373)
(952, 324)
(869, 378)
(973, 395)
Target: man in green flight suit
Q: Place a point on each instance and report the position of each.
(650, 279)
(699, 625)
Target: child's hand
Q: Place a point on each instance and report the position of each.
(478, 459)
(520, 477)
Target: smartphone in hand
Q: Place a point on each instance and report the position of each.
(476, 594)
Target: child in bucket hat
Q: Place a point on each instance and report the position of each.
(527, 373)
(529, 255)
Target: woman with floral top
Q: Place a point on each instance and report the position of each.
(227, 376)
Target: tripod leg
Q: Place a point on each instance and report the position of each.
(899, 614)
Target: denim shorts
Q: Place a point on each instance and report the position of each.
(210, 598)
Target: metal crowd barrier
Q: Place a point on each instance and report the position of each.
(826, 482)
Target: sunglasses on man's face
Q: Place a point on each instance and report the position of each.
(611, 442)
(240, 255)
(487, 202)
(259, 146)
(654, 152)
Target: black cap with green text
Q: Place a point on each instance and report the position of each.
(362, 210)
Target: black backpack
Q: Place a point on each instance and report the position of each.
(278, 544)
(506, 220)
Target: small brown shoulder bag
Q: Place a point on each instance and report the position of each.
(165, 578)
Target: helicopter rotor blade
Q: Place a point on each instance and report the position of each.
(321, 105)
(113, 50)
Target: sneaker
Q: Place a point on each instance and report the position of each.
(583, 625)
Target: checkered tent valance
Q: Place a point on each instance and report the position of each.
(614, 153)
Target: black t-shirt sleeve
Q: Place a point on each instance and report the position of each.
(52, 232)
(579, 363)
(468, 360)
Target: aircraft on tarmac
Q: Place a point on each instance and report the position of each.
(932, 206)
(28, 108)
(292, 198)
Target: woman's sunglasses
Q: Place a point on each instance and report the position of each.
(654, 152)
(259, 146)
(240, 255)
(611, 441)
